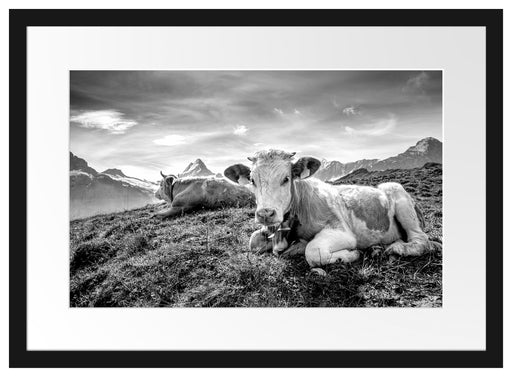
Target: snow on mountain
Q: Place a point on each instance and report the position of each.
(95, 193)
(196, 169)
(330, 169)
(143, 184)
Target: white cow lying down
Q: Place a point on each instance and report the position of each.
(336, 220)
(189, 194)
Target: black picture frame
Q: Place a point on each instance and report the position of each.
(492, 20)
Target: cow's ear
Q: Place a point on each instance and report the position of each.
(305, 167)
(169, 180)
(238, 173)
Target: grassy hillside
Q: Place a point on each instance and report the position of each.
(202, 259)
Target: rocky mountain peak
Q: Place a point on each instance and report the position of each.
(77, 163)
(196, 169)
(425, 146)
(114, 171)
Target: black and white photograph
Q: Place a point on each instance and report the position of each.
(256, 188)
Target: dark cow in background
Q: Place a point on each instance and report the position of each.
(189, 194)
(334, 220)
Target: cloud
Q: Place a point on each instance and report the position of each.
(416, 84)
(240, 130)
(112, 121)
(171, 140)
(290, 116)
(379, 128)
(351, 110)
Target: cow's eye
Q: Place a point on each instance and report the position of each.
(285, 181)
(252, 182)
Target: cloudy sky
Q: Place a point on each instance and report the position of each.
(146, 121)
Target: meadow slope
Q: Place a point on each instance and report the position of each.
(202, 259)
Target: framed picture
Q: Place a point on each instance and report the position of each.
(256, 188)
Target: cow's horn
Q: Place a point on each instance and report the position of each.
(162, 174)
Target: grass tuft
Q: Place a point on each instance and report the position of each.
(91, 253)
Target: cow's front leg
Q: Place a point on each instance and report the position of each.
(330, 246)
(296, 248)
(172, 211)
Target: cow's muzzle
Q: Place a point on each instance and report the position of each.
(266, 216)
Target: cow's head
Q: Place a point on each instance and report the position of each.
(164, 192)
(271, 179)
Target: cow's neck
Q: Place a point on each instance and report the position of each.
(300, 200)
(310, 208)
(170, 189)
